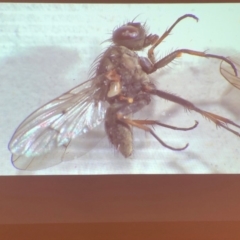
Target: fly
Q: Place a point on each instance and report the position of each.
(121, 80)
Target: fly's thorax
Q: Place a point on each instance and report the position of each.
(119, 133)
(109, 60)
(126, 64)
(124, 61)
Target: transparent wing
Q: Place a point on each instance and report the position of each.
(55, 125)
(228, 72)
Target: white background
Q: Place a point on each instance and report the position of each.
(46, 49)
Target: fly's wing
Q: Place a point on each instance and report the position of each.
(42, 139)
(228, 72)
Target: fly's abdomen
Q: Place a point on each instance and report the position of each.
(119, 133)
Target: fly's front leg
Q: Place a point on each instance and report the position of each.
(158, 40)
(178, 53)
(218, 120)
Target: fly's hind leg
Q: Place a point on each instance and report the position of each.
(153, 122)
(141, 124)
(141, 101)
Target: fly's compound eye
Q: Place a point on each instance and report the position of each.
(131, 35)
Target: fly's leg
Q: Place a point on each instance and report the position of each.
(218, 120)
(160, 39)
(155, 41)
(153, 122)
(141, 124)
(141, 101)
(169, 58)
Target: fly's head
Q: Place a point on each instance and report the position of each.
(131, 35)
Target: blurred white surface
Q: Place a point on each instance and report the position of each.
(47, 49)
